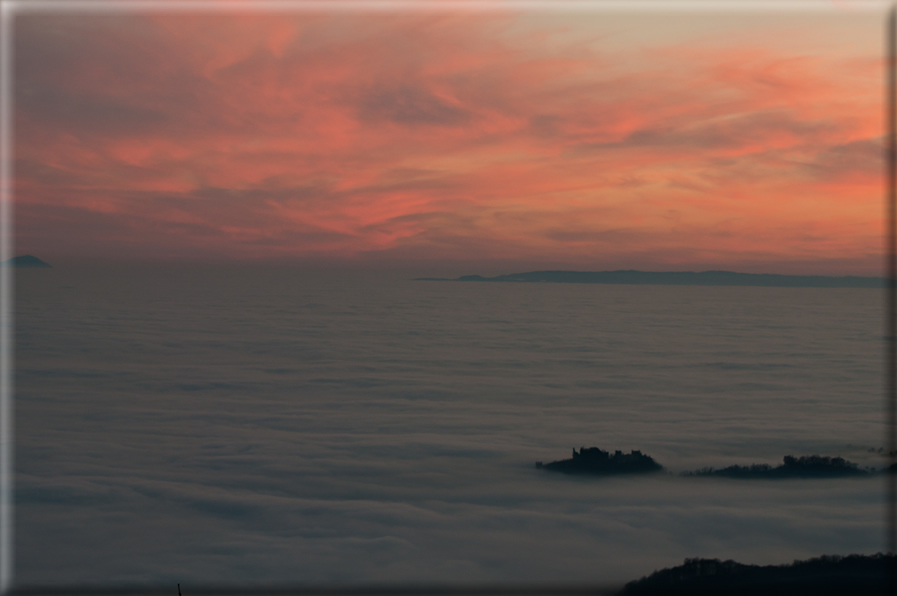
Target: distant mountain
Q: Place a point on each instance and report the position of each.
(853, 574)
(679, 278)
(602, 463)
(25, 261)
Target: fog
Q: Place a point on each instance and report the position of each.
(294, 429)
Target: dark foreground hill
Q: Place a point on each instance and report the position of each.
(679, 278)
(603, 463)
(810, 466)
(829, 575)
(25, 261)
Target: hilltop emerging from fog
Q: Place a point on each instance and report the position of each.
(603, 463)
(678, 278)
(594, 461)
(811, 466)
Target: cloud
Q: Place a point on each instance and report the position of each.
(356, 130)
(410, 106)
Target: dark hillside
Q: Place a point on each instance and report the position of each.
(830, 575)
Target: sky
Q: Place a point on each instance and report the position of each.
(482, 142)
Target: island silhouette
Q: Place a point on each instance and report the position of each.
(603, 463)
(828, 574)
(25, 262)
(676, 278)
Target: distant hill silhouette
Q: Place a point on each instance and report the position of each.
(678, 278)
(826, 575)
(810, 466)
(603, 463)
(25, 261)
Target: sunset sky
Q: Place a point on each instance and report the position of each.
(490, 142)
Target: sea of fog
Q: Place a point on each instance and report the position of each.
(234, 425)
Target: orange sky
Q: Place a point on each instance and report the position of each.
(496, 142)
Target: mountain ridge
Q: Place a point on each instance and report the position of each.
(679, 278)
